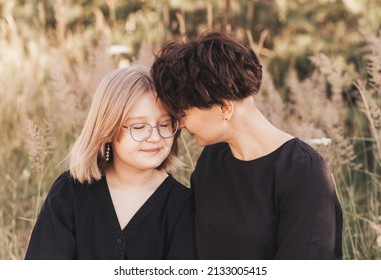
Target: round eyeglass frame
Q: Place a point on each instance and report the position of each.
(175, 123)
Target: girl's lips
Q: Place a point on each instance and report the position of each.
(152, 150)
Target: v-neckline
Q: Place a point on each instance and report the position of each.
(142, 211)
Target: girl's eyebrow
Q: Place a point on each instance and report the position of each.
(145, 117)
(136, 118)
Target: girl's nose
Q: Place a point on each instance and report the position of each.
(155, 135)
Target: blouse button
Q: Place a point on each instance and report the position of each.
(119, 240)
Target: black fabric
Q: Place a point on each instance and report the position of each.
(280, 206)
(78, 221)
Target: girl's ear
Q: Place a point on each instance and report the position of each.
(227, 109)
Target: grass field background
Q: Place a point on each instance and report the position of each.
(54, 53)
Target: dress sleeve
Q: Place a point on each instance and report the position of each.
(182, 244)
(53, 236)
(309, 213)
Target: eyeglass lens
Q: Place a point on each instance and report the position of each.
(142, 131)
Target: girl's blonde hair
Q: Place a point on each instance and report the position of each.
(114, 98)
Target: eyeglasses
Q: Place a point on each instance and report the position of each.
(142, 131)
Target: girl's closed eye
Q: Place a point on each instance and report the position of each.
(138, 126)
(165, 123)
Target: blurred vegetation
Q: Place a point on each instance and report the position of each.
(322, 80)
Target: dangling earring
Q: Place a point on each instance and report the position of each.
(108, 152)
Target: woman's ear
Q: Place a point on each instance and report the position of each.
(227, 109)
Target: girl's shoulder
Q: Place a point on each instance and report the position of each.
(178, 200)
(176, 191)
(65, 183)
(61, 191)
(175, 186)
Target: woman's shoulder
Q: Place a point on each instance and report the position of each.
(297, 153)
(301, 165)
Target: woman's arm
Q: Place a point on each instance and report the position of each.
(310, 218)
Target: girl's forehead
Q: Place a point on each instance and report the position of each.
(147, 106)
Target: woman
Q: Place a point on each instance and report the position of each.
(260, 193)
(117, 201)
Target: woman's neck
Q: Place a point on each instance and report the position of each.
(251, 135)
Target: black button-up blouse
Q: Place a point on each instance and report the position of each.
(78, 221)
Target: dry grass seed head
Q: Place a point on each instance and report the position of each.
(38, 140)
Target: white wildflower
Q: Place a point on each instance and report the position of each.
(320, 141)
(119, 50)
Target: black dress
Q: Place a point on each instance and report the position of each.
(78, 221)
(280, 206)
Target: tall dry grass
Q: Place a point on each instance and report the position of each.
(48, 79)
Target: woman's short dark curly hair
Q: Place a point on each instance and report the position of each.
(204, 70)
